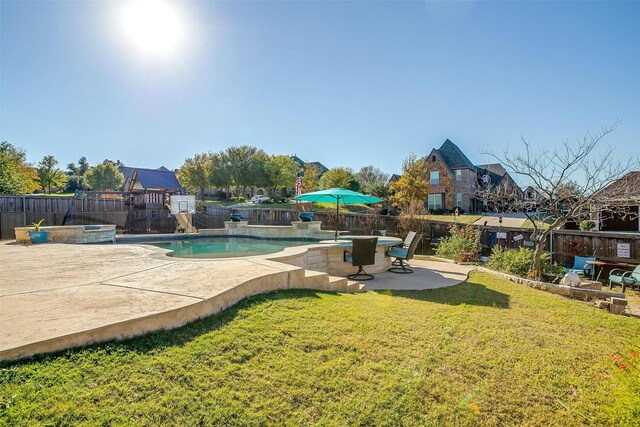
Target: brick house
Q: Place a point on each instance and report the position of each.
(454, 181)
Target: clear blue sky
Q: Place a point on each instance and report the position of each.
(344, 83)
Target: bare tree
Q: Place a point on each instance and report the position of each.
(564, 184)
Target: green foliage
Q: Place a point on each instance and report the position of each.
(195, 172)
(486, 352)
(373, 181)
(412, 185)
(337, 178)
(75, 182)
(49, 175)
(281, 171)
(519, 262)
(462, 244)
(36, 225)
(311, 178)
(587, 225)
(16, 175)
(104, 176)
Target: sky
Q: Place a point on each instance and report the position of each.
(346, 83)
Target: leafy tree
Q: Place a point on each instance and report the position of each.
(220, 173)
(412, 186)
(16, 175)
(104, 176)
(49, 175)
(281, 171)
(75, 182)
(568, 179)
(338, 178)
(247, 166)
(373, 181)
(195, 173)
(311, 178)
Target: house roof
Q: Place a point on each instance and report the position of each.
(453, 156)
(496, 168)
(394, 177)
(303, 164)
(625, 188)
(161, 178)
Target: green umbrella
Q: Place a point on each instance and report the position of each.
(337, 196)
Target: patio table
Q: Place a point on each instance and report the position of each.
(600, 264)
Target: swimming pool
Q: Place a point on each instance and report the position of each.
(227, 247)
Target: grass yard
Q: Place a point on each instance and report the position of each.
(485, 352)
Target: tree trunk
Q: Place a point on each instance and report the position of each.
(201, 195)
(536, 265)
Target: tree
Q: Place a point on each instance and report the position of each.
(567, 180)
(195, 173)
(49, 175)
(281, 171)
(338, 178)
(311, 178)
(220, 173)
(76, 174)
(412, 186)
(373, 181)
(247, 166)
(16, 175)
(104, 176)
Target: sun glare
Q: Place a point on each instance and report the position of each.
(155, 28)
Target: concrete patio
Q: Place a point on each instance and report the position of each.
(57, 296)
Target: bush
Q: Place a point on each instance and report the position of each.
(462, 244)
(518, 262)
(587, 225)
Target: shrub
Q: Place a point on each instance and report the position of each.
(462, 244)
(518, 262)
(587, 225)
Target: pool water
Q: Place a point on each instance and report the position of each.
(227, 247)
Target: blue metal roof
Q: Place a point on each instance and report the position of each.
(158, 178)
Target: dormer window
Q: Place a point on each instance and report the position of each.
(485, 178)
(433, 158)
(458, 175)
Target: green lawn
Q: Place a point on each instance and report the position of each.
(462, 219)
(485, 352)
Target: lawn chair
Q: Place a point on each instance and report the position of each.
(581, 267)
(624, 277)
(404, 253)
(363, 253)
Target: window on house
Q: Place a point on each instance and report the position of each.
(485, 179)
(434, 202)
(458, 200)
(458, 175)
(433, 158)
(434, 177)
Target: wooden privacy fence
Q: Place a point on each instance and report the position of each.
(608, 246)
(20, 211)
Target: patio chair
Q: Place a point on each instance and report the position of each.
(363, 253)
(624, 277)
(580, 266)
(404, 253)
(378, 232)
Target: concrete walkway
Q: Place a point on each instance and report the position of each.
(57, 296)
(426, 275)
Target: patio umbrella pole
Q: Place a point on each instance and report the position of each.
(337, 214)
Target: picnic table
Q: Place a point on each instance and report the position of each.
(601, 264)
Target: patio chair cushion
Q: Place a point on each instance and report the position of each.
(580, 266)
(398, 252)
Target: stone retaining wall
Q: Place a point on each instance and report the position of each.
(71, 233)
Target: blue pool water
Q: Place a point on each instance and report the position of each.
(227, 247)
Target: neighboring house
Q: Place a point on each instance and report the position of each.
(617, 206)
(454, 181)
(303, 164)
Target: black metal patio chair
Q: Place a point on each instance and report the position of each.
(404, 253)
(363, 253)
